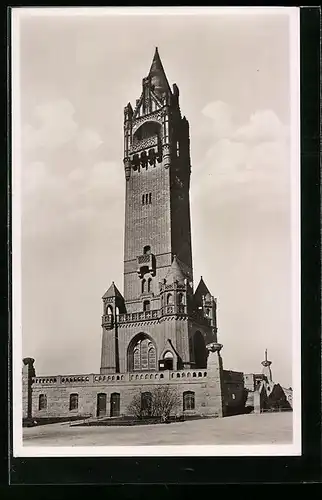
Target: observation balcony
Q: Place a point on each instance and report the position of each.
(108, 321)
(145, 143)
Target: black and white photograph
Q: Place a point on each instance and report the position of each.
(156, 231)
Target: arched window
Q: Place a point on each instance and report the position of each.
(148, 129)
(143, 286)
(147, 250)
(188, 400)
(142, 354)
(146, 305)
(42, 405)
(143, 199)
(169, 299)
(149, 284)
(73, 402)
(180, 299)
(146, 403)
(152, 359)
(109, 310)
(150, 198)
(137, 357)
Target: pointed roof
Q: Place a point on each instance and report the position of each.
(201, 290)
(158, 76)
(176, 272)
(112, 292)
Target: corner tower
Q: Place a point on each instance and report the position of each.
(159, 323)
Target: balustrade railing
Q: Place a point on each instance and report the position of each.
(153, 314)
(114, 378)
(173, 309)
(138, 316)
(107, 320)
(145, 143)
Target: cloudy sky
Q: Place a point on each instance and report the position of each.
(76, 75)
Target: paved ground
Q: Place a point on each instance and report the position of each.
(269, 428)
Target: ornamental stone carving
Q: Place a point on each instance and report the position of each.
(214, 347)
(155, 116)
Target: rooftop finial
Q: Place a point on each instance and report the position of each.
(267, 368)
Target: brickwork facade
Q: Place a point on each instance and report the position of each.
(161, 330)
(158, 303)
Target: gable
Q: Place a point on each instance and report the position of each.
(147, 104)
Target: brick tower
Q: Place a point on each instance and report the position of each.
(159, 323)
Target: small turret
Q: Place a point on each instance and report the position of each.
(175, 290)
(267, 372)
(128, 112)
(206, 304)
(113, 305)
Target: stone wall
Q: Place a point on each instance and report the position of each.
(217, 392)
(58, 389)
(235, 392)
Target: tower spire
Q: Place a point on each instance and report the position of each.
(158, 76)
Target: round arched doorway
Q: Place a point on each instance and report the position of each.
(168, 360)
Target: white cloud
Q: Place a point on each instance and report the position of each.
(53, 203)
(221, 119)
(76, 175)
(263, 126)
(251, 160)
(55, 126)
(88, 140)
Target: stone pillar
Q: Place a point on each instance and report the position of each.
(257, 402)
(214, 393)
(28, 372)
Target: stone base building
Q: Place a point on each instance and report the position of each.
(161, 330)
